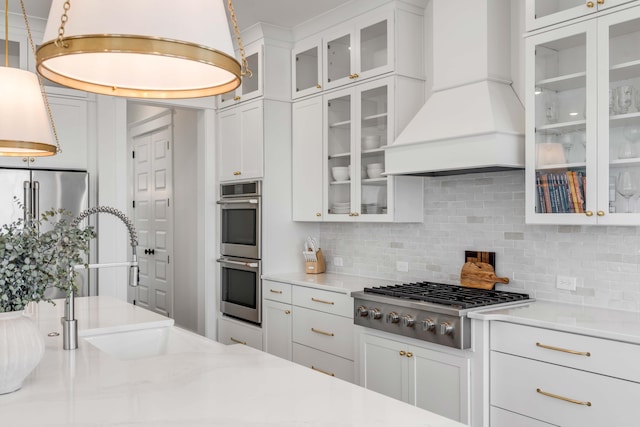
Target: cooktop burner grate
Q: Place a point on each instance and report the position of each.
(449, 295)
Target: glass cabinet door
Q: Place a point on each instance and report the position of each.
(374, 134)
(306, 60)
(374, 47)
(620, 113)
(541, 13)
(338, 59)
(340, 170)
(561, 97)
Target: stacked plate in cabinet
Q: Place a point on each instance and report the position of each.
(341, 208)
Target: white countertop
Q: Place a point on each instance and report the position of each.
(598, 322)
(333, 282)
(196, 382)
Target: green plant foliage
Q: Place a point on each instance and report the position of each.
(31, 262)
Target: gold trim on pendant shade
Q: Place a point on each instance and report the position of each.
(26, 149)
(143, 45)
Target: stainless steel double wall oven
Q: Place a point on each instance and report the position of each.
(240, 250)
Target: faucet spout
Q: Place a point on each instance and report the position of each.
(70, 324)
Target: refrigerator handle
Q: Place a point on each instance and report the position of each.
(26, 200)
(35, 200)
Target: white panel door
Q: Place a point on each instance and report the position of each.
(154, 219)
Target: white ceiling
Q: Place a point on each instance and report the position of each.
(284, 13)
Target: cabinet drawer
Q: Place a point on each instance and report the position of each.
(234, 332)
(330, 302)
(517, 385)
(276, 291)
(607, 357)
(502, 418)
(326, 332)
(323, 362)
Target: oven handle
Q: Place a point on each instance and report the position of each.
(237, 201)
(244, 264)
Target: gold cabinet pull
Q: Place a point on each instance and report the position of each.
(402, 353)
(318, 331)
(354, 76)
(236, 98)
(588, 213)
(322, 301)
(318, 213)
(238, 341)
(590, 4)
(275, 291)
(600, 1)
(324, 372)
(318, 86)
(287, 312)
(600, 213)
(566, 399)
(409, 354)
(236, 173)
(564, 350)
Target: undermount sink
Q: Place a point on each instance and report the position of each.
(137, 344)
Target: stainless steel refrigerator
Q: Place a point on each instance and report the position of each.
(40, 190)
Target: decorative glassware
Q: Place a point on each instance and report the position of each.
(626, 186)
(567, 143)
(550, 107)
(624, 98)
(626, 150)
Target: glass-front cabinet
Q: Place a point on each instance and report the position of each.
(542, 13)
(357, 130)
(358, 50)
(583, 122)
(306, 60)
(251, 86)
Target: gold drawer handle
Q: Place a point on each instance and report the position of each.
(322, 301)
(275, 291)
(318, 331)
(324, 372)
(402, 353)
(236, 173)
(564, 350)
(287, 312)
(566, 399)
(238, 341)
(236, 98)
(409, 354)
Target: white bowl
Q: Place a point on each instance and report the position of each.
(370, 142)
(340, 173)
(375, 166)
(375, 173)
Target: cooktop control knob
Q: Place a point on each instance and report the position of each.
(446, 328)
(393, 317)
(428, 325)
(374, 313)
(408, 320)
(362, 311)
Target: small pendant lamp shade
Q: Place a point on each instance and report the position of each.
(24, 124)
(141, 48)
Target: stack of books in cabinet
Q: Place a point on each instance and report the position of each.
(561, 192)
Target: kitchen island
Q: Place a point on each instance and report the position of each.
(177, 378)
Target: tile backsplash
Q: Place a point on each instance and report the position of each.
(486, 212)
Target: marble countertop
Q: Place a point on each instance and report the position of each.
(333, 282)
(195, 382)
(598, 322)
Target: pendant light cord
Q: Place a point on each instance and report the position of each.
(44, 93)
(244, 71)
(6, 33)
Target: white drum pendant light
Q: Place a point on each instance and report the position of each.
(24, 121)
(140, 48)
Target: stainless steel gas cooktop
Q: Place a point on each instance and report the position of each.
(433, 312)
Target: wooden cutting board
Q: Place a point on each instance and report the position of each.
(480, 275)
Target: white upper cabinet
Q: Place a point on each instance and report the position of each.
(583, 122)
(241, 142)
(306, 61)
(542, 13)
(251, 86)
(359, 49)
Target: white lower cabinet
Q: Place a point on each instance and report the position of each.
(561, 378)
(232, 331)
(311, 327)
(500, 417)
(436, 381)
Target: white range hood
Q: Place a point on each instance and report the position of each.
(472, 121)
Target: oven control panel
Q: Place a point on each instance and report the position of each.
(444, 329)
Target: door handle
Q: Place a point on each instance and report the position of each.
(150, 251)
